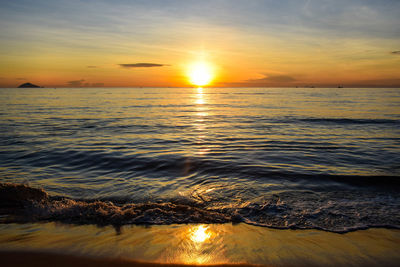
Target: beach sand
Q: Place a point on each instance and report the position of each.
(54, 244)
(41, 259)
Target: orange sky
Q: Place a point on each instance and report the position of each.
(153, 43)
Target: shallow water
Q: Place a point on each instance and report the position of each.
(279, 157)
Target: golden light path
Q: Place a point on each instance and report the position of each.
(200, 121)
(199, 96)
(200, 73)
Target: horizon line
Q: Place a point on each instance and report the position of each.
(308, 87)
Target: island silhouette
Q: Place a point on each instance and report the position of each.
(28, 85)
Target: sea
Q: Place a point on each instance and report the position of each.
(286, 158)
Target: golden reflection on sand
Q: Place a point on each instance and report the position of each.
(197, 244)
(208, 244)
(199, 234)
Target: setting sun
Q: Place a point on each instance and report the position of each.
(200, 74)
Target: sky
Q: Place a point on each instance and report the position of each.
(271, 43)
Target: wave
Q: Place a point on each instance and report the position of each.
(338, 121)
(314, 120)
(350, 121)
(102, 161)
(289, 210)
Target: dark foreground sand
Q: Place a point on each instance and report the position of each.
(41, 259)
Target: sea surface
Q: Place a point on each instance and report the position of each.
(304, 158)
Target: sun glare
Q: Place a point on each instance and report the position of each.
(200, 74)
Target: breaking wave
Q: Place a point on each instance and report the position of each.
(336, 211)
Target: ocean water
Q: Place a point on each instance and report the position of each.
(307, 158)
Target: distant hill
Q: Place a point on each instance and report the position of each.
(28, 85)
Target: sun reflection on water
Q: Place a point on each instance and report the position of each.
(200, 96)
(200, 122)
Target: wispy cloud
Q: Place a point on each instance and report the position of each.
(83, 83)
(95, 84)
(142, 65)
(76, 83)
(266, 81)
(274, 79)
(395, 52)
(92, 67)
(394, 82)
(21, 79)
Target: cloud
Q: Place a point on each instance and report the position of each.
(273, 79)
(142, 65)
(279, 80)
(77, 83)
(93, 84)
(390, 82)
(21, 79)
(83, 83)
(97, 84)
(395, 52)
(92, 67)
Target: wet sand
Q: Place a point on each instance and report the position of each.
(54, 244)
(41, 259)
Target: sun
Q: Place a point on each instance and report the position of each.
(200, 74)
